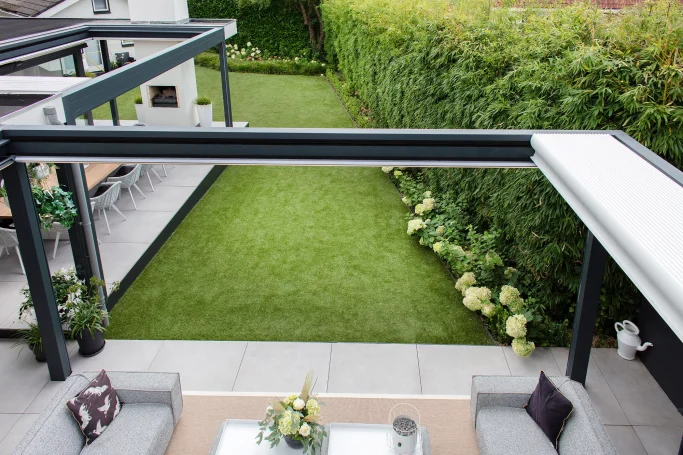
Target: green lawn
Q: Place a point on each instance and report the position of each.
(295, 253)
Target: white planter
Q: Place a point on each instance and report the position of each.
(140, 112)
(205, 113)
(41, 171)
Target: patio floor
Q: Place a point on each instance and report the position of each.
(636, 412)
(128, 240)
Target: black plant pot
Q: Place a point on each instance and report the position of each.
(294, 443)
(88, 345)
(38, 352)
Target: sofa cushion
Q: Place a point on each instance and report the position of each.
(55, 432)
(549, 408)
(510, 431)
(140, 428)
(95, 407)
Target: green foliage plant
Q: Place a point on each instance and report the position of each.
(54, 205)
(203, 101)
(137, 100)
(31, 338)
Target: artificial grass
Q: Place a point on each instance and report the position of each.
(295, 253)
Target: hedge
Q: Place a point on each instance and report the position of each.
(278, 29)
(302, 68)
(439, 64)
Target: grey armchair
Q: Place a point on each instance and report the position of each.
(129, 181)
(503, 426)
(106, 201)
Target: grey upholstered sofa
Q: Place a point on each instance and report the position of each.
(504, 427)
(152, 404)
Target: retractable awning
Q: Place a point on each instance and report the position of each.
(632, 208)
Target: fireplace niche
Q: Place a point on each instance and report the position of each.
(163, 96)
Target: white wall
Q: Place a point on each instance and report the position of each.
(83, 8)
(158, 10)
(33, 115)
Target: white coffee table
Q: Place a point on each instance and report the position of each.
(239, 438)
(361, 439)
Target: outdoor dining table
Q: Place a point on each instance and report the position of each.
(94, 175)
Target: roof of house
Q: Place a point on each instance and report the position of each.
(28, 8)
(11, 27)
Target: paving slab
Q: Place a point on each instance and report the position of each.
(24, 423)
(625, 440)
(119, 355)
(140, 227)
(118, 258)
(598, 390)
(448, 370)
(540, 360)
(374, 368)
(185, 175)
(21, 377)
(642, 399)
(203, 365)
(43, 398)
(7, 421)
(10, 299)
(659, 440)
(282, 367)
(167, 199)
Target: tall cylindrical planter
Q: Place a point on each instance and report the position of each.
(205, 113)
(89, 345)
(140, 112)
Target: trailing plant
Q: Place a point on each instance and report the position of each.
(439, 64)
(54, 205)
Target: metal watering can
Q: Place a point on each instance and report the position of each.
(629, 341)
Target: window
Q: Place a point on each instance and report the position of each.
(100, 6)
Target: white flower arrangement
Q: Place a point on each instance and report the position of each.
(416, 225)
(515, 326)
(522, 347)
(465, 281)
(296, 417)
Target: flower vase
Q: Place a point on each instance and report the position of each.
(294, 443)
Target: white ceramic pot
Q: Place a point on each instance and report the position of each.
(140, 112)
(404, 435)
(628, 339)
(41, 171)
(205, 113)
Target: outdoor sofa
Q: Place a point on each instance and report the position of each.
(152, 404)
(504, 427)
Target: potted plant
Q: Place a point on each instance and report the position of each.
(31, 338)
(39, 171)
(296, 420)
(54, 206)
(139, 109)
(66, 285)
(86, 322)
(205, 111)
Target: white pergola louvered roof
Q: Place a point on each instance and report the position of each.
(630, 206)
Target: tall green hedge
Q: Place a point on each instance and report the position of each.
(277, 30)
(444, 64)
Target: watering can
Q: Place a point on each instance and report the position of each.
(629, 341)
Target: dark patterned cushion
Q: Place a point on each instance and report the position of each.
(95, 407)
(549, 408)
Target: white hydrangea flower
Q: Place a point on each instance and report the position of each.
(422, 241)
(415, 225)
(522, 347)
(322, 64)
(508, 294)
(253, 54)
(429, 203)
(420, 209)
(398, 173)
(458, 250)
(249, 44)
(296, 59)
(515, 326)
(441, 230)
(298, 404)
(313, 407)
(285, 424)
(427, 194)
(289, 400)
(406, 200)
(258, 51)
(472, 303)
(305, 430)
(465, 281)
(437, 247)
(387, 169)
(488, 309)
(475, 297)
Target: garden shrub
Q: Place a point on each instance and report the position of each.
(278, 29)
(440, 64)
(280, 66)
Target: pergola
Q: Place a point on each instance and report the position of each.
(628, 197)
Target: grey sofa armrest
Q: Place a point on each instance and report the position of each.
(508, 391)
(147, 387)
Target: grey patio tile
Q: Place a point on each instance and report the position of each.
(642, 399)
(21, 377)
(374, 368)
(119, 355)
(184, 175)
(659, 440)
(41, 401)
(10, 298)
(604, 401)
(10, 268)
(7, 421)
(164, 199)
(140, 227)
(625, 440)
(119, 258)
(448, 370)
(13, 322)
(24, 423)
(203, 365)
(282, 367)
(541, 359)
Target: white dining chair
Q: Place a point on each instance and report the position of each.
(106, 200)
(8, 240)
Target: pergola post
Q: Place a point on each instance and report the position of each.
(104, 50)
(80, 72)
(592, 273)
(225, 83)
(25, 217)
